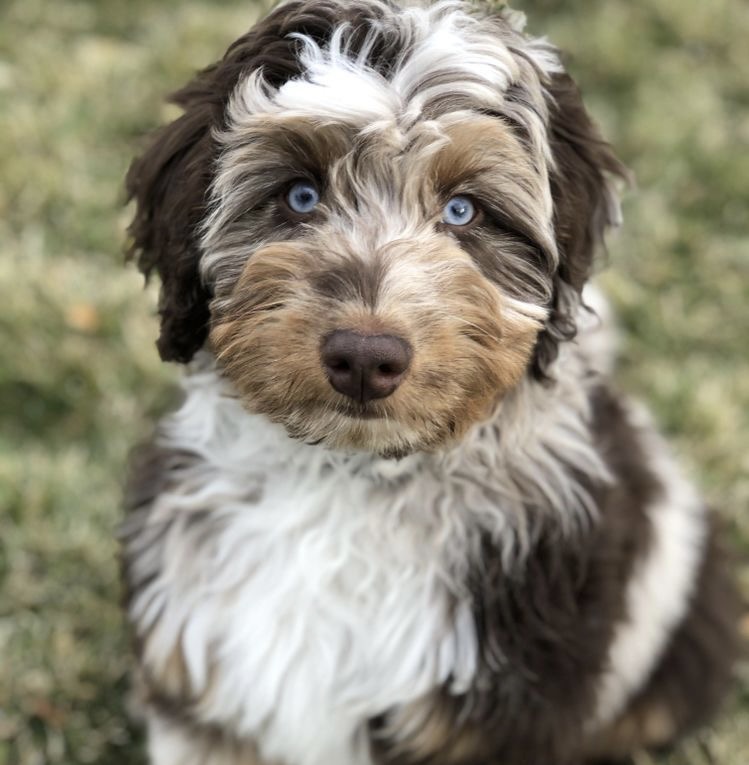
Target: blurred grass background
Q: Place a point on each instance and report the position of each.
(81, 81)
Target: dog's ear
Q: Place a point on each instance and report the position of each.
(585, 203)
(169, 182)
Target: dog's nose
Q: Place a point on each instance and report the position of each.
(364, 367)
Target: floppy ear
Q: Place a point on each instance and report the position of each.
(585, 204)
(169, 184)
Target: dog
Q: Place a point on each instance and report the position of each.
(402, 515)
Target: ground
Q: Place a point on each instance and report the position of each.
(80, 381)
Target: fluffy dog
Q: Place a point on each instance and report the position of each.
(401, 515)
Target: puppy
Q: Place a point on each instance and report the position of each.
(401, 515)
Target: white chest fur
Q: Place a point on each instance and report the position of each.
(309, 591)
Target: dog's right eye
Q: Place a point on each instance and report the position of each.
(459, 211)
(302, 197)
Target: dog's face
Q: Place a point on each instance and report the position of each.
(381, 218)
(357, 296)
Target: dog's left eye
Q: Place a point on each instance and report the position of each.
(302, 197)
(459, 211)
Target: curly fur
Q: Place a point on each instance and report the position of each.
(497, 562)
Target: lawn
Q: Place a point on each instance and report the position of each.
(81, 82)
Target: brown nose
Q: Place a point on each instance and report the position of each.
(364, 367)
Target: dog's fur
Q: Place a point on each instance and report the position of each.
(499, 562)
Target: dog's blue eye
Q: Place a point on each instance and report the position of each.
(302, 197)
(459, 211)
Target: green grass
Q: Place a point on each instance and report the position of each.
(80, 381)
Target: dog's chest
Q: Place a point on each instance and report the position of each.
(309, 609)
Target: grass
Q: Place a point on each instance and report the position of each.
(80, 381)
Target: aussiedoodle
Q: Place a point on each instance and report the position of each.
(402, 515)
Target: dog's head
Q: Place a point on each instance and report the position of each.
(378, 218)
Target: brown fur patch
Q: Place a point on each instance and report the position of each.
(544, 630)
(511, 242)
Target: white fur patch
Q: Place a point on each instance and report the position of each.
(659, 593)
(450, 53)
(167, 745)
(310, 590)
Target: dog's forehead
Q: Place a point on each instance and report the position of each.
(440, 59)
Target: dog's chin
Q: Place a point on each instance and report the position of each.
(362, 432)
(366, 429)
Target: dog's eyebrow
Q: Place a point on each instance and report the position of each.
(511, 120)
(291, 134)
(484, 146)
(271, 150)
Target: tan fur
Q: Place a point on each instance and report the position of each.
(425, 728)
(182, 746)
(469, 349)
(169, 678)
(486, 155)
(643, 727)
